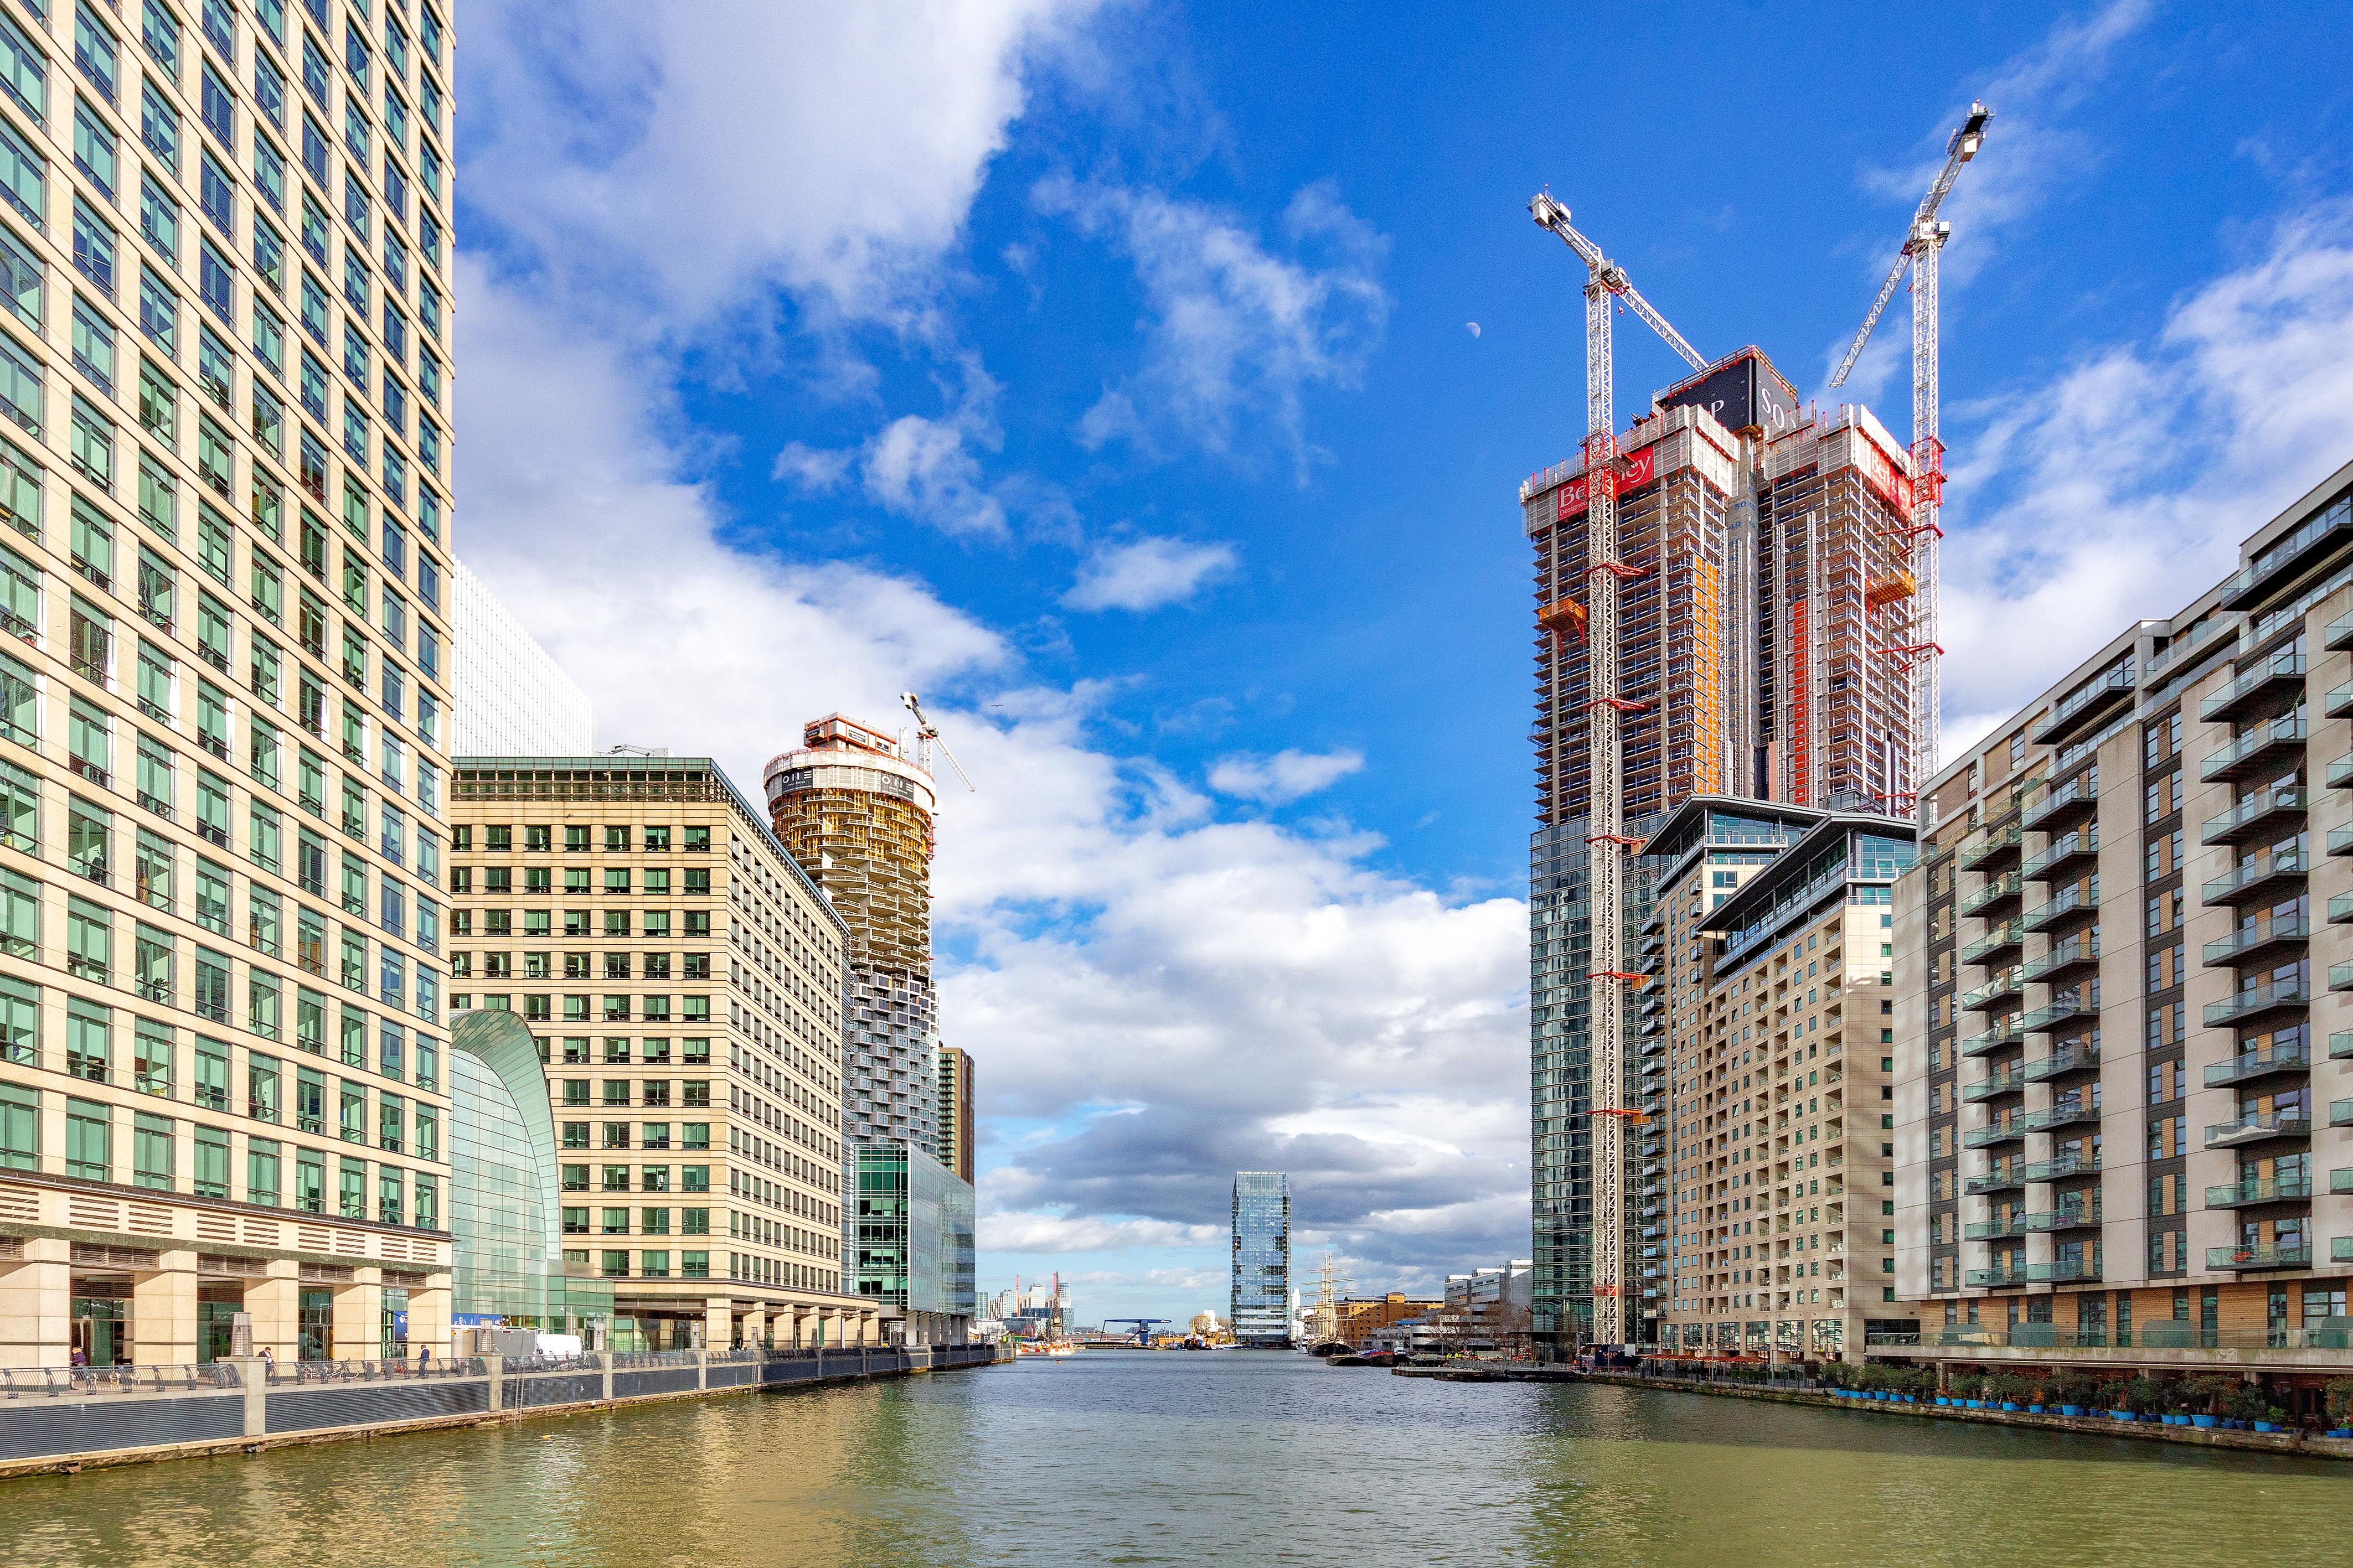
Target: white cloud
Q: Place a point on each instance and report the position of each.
(1057, 1234)
(833, 149)
(922, 468)
(1145, 574)
(2123, 490)
(1284, 776)
(1237, 337)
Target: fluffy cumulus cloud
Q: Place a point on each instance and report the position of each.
(1145, 574)
(1236, 336)
(2122, 488)
(1285, 776)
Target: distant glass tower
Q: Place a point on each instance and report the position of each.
(1261, 1303)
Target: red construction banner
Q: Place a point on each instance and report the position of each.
(1641, 467)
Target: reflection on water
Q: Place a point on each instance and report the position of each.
(1233, 1457)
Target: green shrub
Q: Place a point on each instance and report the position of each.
(2246, 1403)
(2339, 1391)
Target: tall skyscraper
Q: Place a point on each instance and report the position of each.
(1752, 659)
(226, 579)
(1260, 1301)
(514, 700)
(856, 809)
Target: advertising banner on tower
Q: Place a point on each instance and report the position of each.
(1641, 467)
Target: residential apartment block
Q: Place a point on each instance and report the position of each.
(225, 378)
(1769, 1004)
(684, 977)
(2125, 1123)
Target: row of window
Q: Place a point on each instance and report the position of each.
(538, 1007)
(653, 1093)
(90, 1049)
(694, 882)
(539, 839)
(616, 924)
(143, 1149)
(581, 966)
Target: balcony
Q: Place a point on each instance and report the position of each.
(2262, 1127)
(2247, 1259)
(2079, 951)
(1995, 1278)
(2071, 1113)
(2080, 846)
(2001, 889)
(2270, 677)
(2340, 1046)
(2062, 802)
(2065, 1008)
(2001, 1178)
(2286, 558)
(2000, 1083)
(2339, 774)
(2258, 1002)
(2071, 901)
(2062, 1271)
(2081, 710)
(2259, 878)
(2251, 944)
(2013, 1224)
(2340, 635)
(2009, 983)
(2000, 845)
(2252, 1190)
(2066, 1216)
(2011, 935)
(2257, 814)
(1988, 1137)
(2339, 701)
(2061, 1168)
(2340, 1114)
(2006, 1033)
(2077, 1058)
(2267, 1062)
(2256, 750)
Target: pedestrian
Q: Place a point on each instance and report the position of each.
(421, 1356)
(80, 1357)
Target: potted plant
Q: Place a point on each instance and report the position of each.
(2143, 1396)
(2074, 1392)
(2338, 1394)
(2201, 1395)
(2244, 1405)
(2275, 1420)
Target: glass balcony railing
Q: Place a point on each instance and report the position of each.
(2080, 949)
(2244, 1259)
(2277, 672)
(1994, 892)
(2260, 1126)
(2051, 911)
(2009, 983)
(2265, 1062)
(2257, 876)
(2079, 707)
(2067, 1113)
(2249, 941)
(2000, 1083)
(2080, 792)
(2001, 843)
(2058, 1169)
(2005, 1032)
(2253, 1190)
(2066, 1216)
(2083, 844)
(1996, 1229)
(1995, 1278)
(2255, 1001)
(2062, 1272)
(2003, 1174)
(2064, 1007)
(2074, 1057)
(2008, 936)
(2340, 1046)
(2256, 812)
(2005, 1131)
(2250, 750)
(2340, 635)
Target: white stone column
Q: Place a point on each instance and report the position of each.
(37, 1305)
(164, 1311)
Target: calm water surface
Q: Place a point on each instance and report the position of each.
(1231, 1458)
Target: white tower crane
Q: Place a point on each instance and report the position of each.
(1605, 824)
(1916, 646)
(927, 735)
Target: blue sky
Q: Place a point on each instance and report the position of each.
(1107, 372)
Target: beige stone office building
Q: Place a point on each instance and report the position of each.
(685, 978)
(224, 447)
(2126, 1121)
(1770, 961)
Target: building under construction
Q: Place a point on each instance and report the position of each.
(1758, 566)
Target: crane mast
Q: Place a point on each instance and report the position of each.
(1605, 839)
(1914, 645)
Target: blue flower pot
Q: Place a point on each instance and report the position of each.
(2341, 1431)
(2071, 1410)
(1942, 1400)
(2122, 1415)
(2009, 1404)
(2207, 1422)
(2269, 1426)
(2034, 1410)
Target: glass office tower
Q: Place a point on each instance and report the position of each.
(1261, 1303)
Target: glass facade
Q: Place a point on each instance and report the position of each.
(1260, 1300)
(504, 1199)
(914, 1228)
